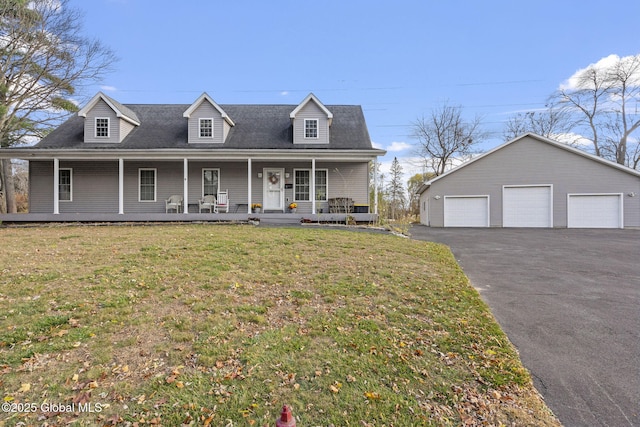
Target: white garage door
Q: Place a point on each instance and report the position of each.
(466, 211)
(594, 211)
(527, 206)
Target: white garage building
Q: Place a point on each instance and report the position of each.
(533, 181)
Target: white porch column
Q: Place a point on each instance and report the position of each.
(121, 186)
(375, 186)
(56, 186)
(313, 186)
(249, 175)
(185, 206)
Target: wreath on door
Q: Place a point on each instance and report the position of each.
(273, 179)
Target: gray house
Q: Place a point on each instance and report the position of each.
(150, 162)
(533, 181)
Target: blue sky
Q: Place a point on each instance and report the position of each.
(398, 59)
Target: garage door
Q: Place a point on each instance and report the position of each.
(527, 206)
(594, 211)
(466, 211)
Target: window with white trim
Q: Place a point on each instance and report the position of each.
(311, 128)
(102, 127)
(206, 128)
(65, 185)
(147, 185)
(302, 184)
(210, 182)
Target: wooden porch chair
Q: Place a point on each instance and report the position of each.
(222, 202)
(207, 202)
(173, 202)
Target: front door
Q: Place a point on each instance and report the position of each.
(273, 189)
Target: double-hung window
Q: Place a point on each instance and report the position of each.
(102, 127)
(147, 185)
(302, 185)
(65, 185)
(206, 128)
(311, 128)
(210, 181)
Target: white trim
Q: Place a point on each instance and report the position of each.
(221, 154)
(200, 120)
(541, 139)
(249, 181)
(155, 184)
(202, 180)
(70, 184)
(311, 97)
(470, 196)
(95, 128)
(185, 187)
(312, 183)
(200, 100)
(549, 186)
(620, 206)
(101, 96)
(304, 129)
(265, 186)
(56, 183)
(121, 186)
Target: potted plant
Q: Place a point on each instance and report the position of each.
(293, 207)
(256, 207)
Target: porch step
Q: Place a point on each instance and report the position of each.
(266, 219)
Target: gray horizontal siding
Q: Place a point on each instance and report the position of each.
(206, 111)
(94, 187)
(101, 109)
(95, 184)
(311, 111)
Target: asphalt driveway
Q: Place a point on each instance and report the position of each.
(569, 300)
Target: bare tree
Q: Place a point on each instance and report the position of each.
(413, 184)
(605, 100)
(44, 58)
(395, 189)
(550, 123)
(445, 135)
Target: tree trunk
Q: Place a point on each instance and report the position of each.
(8, 187)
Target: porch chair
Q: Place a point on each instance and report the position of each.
(207, 202)
(222, 202)
(173, 202)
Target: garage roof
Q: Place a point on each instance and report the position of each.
(566, 147)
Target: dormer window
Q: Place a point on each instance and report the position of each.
(206, 128)
(102, 127)
(311, 128)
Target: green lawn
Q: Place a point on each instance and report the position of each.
(223, 324)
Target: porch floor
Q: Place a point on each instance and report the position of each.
(267, 218)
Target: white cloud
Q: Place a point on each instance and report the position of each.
(376, 145)
(573, 139)
(108, 88)
(603, 65)
(398, 146)
(284, 93)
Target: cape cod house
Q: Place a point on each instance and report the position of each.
(115, 162)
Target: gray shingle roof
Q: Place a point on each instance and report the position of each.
(256, 127)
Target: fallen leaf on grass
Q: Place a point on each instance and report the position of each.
(372, 395)
(25, 387)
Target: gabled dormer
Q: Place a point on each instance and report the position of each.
(311, 122)
(106, 120)
(208, 123)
